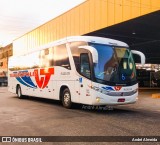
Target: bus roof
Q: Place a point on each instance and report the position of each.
(95, 39)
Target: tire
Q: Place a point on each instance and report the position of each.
(66, 99)
(19, 92)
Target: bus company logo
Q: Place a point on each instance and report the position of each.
(116, 88)
(42, 77)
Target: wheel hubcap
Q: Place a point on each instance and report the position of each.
(66, 98)
(19, 92)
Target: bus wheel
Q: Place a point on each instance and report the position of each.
(19, 92)
(66, 98)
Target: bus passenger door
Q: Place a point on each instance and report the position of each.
(85, 80)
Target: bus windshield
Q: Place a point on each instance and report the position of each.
(115, 64)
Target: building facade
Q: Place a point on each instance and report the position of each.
(5, 53)
(87, 17)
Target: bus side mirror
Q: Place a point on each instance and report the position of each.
(93, 52)
(141, 55)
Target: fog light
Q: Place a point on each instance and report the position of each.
(98, 99)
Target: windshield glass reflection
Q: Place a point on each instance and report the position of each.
(115, 64)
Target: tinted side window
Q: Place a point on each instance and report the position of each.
(61, 56)
(76, 52)
(85, 65)
(47, 57)
(33, 60)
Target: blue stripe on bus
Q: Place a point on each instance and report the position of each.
(20, 80)
(25, 80)
(108, 88)
(29, 81)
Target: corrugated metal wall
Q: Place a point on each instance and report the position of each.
(87, 17)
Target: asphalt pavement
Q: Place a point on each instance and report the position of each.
(44, 117)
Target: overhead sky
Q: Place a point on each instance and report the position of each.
(18, 17)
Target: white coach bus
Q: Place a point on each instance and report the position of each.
(78, 69)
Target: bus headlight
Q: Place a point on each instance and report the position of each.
(97, 99)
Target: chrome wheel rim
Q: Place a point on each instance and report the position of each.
(66, 98)
(19, 92)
